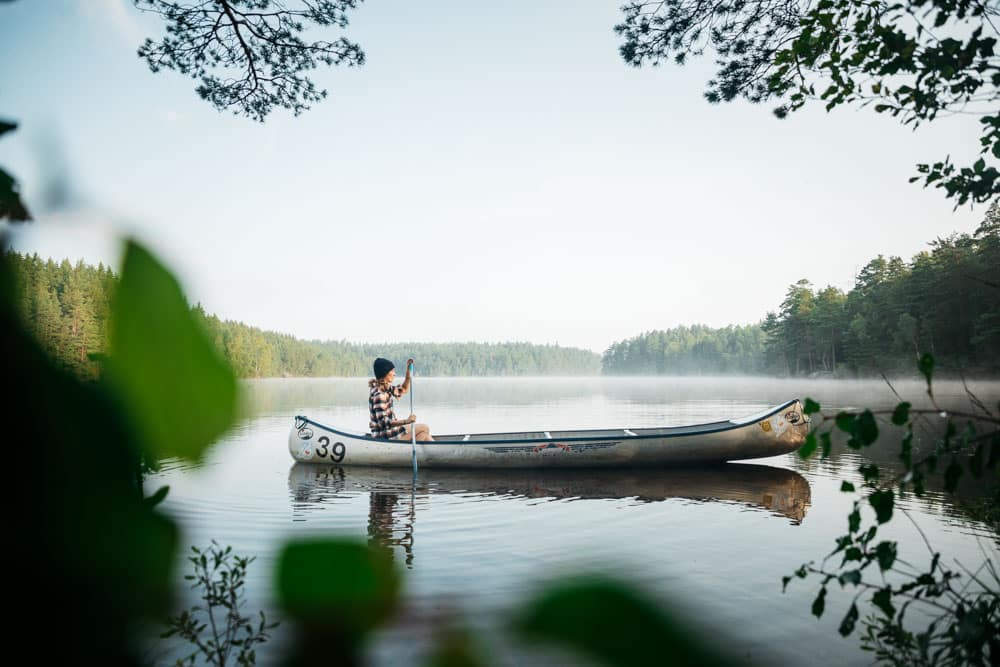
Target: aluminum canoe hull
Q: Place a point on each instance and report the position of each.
(776, 431)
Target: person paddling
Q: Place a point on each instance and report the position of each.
(383, 422)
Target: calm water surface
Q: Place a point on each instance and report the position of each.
(473, 545)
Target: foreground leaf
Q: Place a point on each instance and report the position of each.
(180, 393)
(341, 587)
(613, 623)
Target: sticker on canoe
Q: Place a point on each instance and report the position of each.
(765, 426)
(553, 447)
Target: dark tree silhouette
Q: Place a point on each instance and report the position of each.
(250, 55)
(915, 59)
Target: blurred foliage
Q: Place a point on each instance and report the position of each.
(11, 206)
(457, 647)
(916, 60)
(179, 390)
(220, 576)
(104, 560)
(608, 620)
(334, 613)
(964, 606)
(250, 55)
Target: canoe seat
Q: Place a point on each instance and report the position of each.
(628, 432)
(465, 439)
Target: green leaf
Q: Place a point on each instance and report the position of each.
(847, 625)
(883, 600)
(850, 577)
(613, 623)
(811, 407)
(807, 449)
(883, 502)
(157, 498)
(951, 475)
(827, 443)
(854, 520)
(885, 552)
(846, 487)
(851, 554)
(869, 471)
(819, 604)
(906, 450)
(845, 422)
(11, 206)
(337, 586)
(867, 429)
(901, 414)
(926, 366)
(180, 393)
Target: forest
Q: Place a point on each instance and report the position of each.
(943, 301)
(66, 306)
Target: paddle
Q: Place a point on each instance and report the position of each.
(413, 426)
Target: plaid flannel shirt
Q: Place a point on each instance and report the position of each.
(380, 407)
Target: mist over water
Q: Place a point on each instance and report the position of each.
(476, 544)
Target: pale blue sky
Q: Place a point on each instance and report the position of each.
(495, 165)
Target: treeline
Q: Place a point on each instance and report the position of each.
(256, 353)
(67, 306)
(694, 350)
(945, 301)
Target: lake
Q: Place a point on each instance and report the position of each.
(473, 546)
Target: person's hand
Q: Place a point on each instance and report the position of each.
(411, 419)
(409, 366)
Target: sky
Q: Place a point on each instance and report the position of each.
(494, 172)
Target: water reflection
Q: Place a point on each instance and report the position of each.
(384, 512)
(394, 496)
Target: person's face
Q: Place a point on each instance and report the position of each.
(391, 375)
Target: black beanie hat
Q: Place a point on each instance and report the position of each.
(382, 367)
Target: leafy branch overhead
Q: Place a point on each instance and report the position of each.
(250, 55)
(917, 60)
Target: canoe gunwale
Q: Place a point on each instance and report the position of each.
(679, 431)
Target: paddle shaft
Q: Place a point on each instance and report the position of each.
(413, 426)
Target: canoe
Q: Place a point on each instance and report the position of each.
(778, 491)
(775, 431)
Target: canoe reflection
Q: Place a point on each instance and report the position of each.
(776, 490)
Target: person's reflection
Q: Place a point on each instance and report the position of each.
(383, 534)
